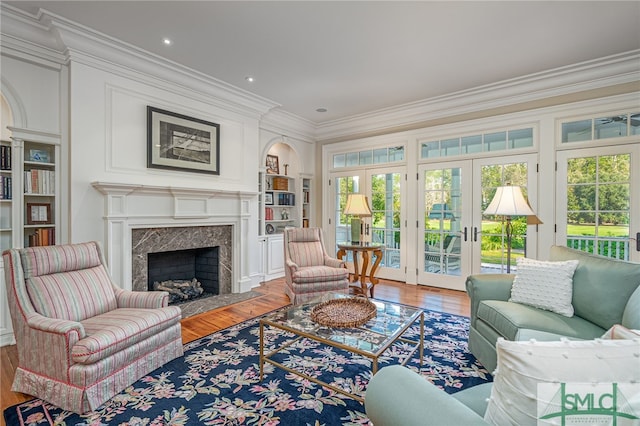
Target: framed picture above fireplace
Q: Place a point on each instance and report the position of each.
(178, 142)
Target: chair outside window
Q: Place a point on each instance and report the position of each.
(81, 339)
(445, 260)
(309, 270)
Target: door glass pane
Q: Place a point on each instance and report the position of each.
(520, 138)
(430, 150)
(493, 249)
(352, 159)
(366, 157)
(380, 155)
(385, 221)
(598, 209)
(610, 127)
(343, 187)
(495, 141)
(442, 210)
(576, 131)
(471, 144)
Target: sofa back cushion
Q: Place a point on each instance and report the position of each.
(601, 286)
(46, 260)
(307, 254)
(67, 281)
(74, 295)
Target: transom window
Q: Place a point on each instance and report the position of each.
(474, 144)
(392, 154)
(590, 129)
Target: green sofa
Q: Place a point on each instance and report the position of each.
(605, 292)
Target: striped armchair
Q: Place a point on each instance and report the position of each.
(309, 270)
(80, 338)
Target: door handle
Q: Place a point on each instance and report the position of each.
(638, 241)
(465, 233)
(475, 234)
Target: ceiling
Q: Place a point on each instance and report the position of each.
(355, 57)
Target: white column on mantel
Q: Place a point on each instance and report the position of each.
(129, 206)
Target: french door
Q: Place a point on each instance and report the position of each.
(598, 199)
(455, 238)
(385, 189)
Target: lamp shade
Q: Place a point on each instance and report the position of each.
(357, 205)
(509, 201)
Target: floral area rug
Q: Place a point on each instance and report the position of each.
(217, 381)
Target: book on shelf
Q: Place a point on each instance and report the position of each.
(286, 199)
(38, 181)
(5, 157)
(5, 188)
(268, 213)
(42, 237)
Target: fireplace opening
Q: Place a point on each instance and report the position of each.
(185, 274)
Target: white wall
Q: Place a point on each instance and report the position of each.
(108, 140)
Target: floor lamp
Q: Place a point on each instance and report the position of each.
(358, 207)
(508, 202)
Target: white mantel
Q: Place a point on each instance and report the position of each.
(130, 206)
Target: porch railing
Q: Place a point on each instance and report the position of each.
(615, 248)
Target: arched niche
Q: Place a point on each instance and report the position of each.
(288, 160)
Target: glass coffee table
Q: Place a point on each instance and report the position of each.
(370, 340)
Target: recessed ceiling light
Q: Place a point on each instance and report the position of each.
(321, 110)
(250, 79)
(166, 41)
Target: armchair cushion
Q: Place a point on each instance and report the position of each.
(73, 295)
(62, 258)
(507, 318)
(318, 274)
(116, 330)
(308, 253)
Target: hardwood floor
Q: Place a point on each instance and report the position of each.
(273, 297)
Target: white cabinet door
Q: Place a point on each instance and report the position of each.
(275, 257)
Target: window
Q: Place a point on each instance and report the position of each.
(373, 156)
(614, 126)
(488, 142)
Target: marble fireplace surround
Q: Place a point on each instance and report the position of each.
(155, 240)
(134, 214)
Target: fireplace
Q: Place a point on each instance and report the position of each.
(183, 253)
(185, 274)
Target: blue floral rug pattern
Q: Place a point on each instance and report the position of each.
(217, 381)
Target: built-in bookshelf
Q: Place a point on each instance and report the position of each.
(306, 202)
(39, 194)
(279, 203)
(6, 195)
(28, 204)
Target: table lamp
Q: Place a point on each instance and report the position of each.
(357, 207)
(508, 202)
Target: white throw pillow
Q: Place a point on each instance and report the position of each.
(523, 365)
(544, 285)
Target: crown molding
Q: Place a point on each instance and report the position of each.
(282, 122)
(609, 71)
(85, 45)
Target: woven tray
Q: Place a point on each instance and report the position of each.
(350, 312)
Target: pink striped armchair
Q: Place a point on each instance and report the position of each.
(80, 338)
(309, 270)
